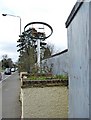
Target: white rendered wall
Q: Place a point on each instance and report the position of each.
(78, 46)
(59, 62)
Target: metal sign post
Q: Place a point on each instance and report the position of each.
(38, 52)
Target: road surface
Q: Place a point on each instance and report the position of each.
(11, 107)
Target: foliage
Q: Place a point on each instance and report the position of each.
(37, 78)
(6, 62)
(47, 53)
(47, 69)
(28, 52)
(47, 77)
(63, 77)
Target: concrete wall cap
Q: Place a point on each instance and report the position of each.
(73, 12)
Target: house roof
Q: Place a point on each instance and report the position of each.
(73, 12)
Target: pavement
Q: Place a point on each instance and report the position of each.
(11, 106)
(0, 101)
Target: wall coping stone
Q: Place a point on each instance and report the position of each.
(73, 12)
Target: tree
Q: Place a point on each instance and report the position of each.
(27, 48)
(10, 62)
(48, 51)
(6, 62)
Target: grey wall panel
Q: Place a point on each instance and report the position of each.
(78, 37)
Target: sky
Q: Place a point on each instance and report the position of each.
(52, 12)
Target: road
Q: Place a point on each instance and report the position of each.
(11, 107)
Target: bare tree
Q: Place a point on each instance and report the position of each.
(48, 51)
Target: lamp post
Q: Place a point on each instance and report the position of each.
(38, 49)
(14, 16)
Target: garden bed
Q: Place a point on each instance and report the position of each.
(44, 96)
(43, 80)
(43, 83)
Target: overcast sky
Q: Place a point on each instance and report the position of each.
(53, 12)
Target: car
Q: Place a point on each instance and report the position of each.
(0, 76)
(7, 71)
(12, 69)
